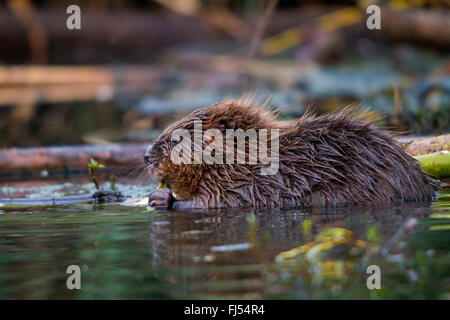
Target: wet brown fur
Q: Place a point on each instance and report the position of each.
(328, 160)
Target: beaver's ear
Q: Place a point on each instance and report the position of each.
(226, 123)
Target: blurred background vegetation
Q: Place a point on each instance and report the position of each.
(135, 66)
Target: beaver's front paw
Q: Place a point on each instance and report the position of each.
(161, 199)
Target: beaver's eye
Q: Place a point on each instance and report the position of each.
(175, 138)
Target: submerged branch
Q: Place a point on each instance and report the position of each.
(100, 196)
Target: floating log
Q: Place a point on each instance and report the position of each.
(428, 145)
(113, 155)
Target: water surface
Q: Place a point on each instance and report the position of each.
(134, 253)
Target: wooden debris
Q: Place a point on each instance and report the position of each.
(113, 155)
(428, 145)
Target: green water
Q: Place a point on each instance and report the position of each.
(130, 252)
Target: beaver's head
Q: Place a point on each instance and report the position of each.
(183, 178)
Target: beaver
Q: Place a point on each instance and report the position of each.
(340, 158)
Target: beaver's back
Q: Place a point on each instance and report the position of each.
(326, 161)
(337, 158)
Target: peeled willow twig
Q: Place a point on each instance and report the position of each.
(436, 164)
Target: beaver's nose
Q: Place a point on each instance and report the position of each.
(147, 158)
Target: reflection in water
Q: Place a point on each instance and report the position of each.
(133, 253)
